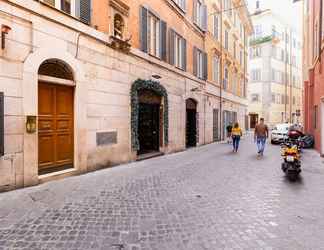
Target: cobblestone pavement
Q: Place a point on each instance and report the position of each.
(204, 198)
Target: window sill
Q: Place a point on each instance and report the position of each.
(156, 57)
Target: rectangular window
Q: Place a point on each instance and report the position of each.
(200, 14)
(226, 76)
(181, 4)
(216, 68)
(255, 52)
(273, 98)
(255, 98)
(226, 39)
(234, 49)
(274, 52)
(241, 57)
(179, 52)
(153, 35)
(257, 31)
(256, 75)
(200, 64)
(216, 27)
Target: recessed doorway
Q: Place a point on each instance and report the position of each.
(191, 123)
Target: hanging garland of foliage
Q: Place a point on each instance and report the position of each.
(157, 88)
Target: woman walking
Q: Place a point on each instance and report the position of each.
(236, 136)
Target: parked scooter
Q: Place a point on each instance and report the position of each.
(292, 164)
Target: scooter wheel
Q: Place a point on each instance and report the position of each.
(292, 176)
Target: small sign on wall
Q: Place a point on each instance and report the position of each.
(1, 124)
(106, 138)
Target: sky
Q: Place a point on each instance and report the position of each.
(289, 11)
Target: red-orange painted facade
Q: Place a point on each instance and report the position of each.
(314, 71)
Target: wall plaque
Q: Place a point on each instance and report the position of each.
(106, 138)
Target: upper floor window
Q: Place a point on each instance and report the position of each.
(216, 68)
(200, 14)
(256, 75)
(153, 34)
(228, 7)
(257, 31)
(234, 49)
(226, 78)
(200, 63)
(241, 30)
(241, 57)
(178, 50)
(181, 4)
(255, 97)
(216, 26)
(226, 39)
(255, 52)
(78, 8)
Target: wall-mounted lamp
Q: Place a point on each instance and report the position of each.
(31, 124)
(197, 89)
(4, 31)
(156, 77)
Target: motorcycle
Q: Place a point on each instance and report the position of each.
(292, 164)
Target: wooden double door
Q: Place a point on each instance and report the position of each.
(55, 127)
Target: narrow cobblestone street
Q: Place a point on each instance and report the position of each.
(204, 198)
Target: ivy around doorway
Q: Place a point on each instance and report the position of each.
(157, 88)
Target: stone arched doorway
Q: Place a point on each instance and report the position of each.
(55, 117)
(191, 123)
(149, 117)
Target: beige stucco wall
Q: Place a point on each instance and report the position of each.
(103, 78)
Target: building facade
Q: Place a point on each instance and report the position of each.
(313, 71)
(275, 67)
(91, 84)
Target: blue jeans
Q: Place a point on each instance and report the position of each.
(261, 142)
(236, 142)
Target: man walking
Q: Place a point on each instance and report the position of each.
(261, 133)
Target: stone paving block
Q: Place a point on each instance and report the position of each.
(205, 198)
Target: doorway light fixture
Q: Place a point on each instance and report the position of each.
(156, 76)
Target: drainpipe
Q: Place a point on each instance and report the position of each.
(221, 74)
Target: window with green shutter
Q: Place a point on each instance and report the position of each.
(153, 38)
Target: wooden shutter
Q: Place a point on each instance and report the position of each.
(1, 124)
(184, 54)
(143, 29)
(204, 17)
(163, 43)
(85, 11)
(205, 66)
(184, 5)
(195, 70)
(171, 46)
